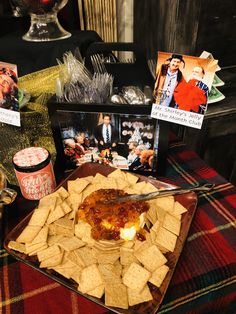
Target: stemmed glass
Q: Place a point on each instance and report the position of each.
(44, 22)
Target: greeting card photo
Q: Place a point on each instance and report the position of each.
(182, 87)
(9, 104)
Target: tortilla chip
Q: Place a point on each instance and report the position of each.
(72, 257)
(117, 174)
(137, 297)
(152, 235)
(64, 223)
(37, 248)
(132, 179)
(55, 214)
(172, 224)
(117, 268)
(42, 236)
(159, 275)
(166, 239)
(179, 217)
(62, 192)
(49, 252)
(139, 187)
(121, 184)
(17, 246)
(74, 200)
(107, 258)
(149, 188)
(76, 274)
(99, 178)
(34, 248)
(66, 207)
(110, 183)
(141, 245)
(109, 273)
(166, 203)
(48, 201)
(66, 269)
(82, 229)
(151, 258)
(28, 234)
(89, 178)
(128, 244)
(90, 278)
(51, 229)
(97, 246)
(51, 261)
(136, 276)
(53, 239)
(127, 256)
(39, 217)
(97, 292)
(137, 244)
(125, 268)
(116, 295)
(77, 186)
(59, 230)
(70, 243)
(90, 189)
(156, 226)
(178, 209)
(112, 243)
(152, 211)
(160, 214)
(85, 256)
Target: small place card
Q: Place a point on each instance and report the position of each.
(9, 103)
(182, 87)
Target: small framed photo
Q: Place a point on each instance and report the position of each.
(9, 102)
(122, 136)
(182, 87)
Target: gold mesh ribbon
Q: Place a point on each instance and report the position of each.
(35, 127)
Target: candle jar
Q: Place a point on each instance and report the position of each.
(34, 172)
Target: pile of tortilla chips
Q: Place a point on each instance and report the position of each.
(120, 270)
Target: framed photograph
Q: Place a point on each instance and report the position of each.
(182, 87)
(9, 102)
(123, 136)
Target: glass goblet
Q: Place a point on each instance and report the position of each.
(44, 22)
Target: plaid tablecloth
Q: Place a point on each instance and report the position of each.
(205, 277)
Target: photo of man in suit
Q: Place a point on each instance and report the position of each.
(106, 134)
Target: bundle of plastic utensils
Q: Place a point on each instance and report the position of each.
(76, 84)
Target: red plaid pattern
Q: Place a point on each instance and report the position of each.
(205, 277)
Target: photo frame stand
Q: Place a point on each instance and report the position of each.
(67, 119)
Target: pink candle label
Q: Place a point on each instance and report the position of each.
(30, 156)
(36, 184)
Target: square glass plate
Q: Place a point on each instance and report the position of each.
(188, 200)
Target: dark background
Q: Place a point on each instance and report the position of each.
(187, 27)
(68, 17)
(183, 26)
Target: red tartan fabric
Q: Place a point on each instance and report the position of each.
(45, 288)
(205, 277)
